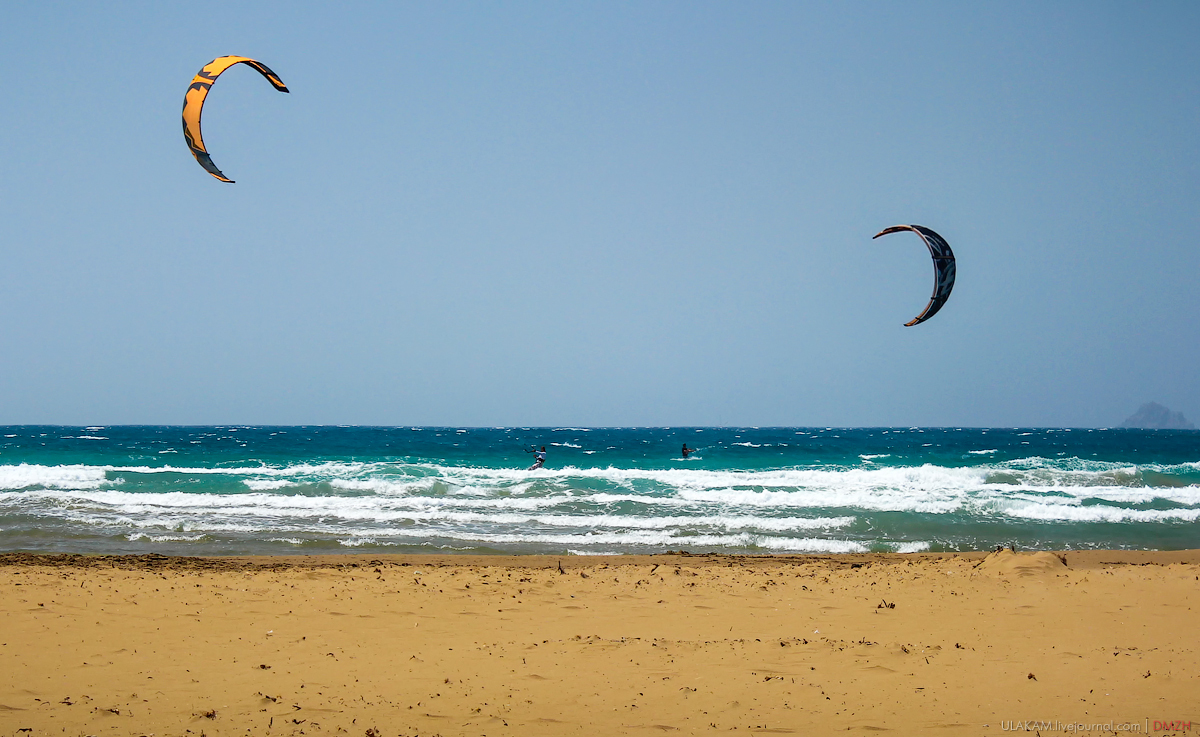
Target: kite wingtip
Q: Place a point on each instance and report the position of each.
(893, 229)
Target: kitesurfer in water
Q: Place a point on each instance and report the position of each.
(539, 458)
(687, 451)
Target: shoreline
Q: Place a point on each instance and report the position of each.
(960, 643)
(1072, 558)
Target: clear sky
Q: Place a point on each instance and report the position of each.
(642, 213)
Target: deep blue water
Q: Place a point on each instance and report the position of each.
(269, 490)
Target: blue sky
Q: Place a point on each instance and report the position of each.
(600, 213)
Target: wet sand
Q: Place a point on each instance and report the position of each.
(949, 644)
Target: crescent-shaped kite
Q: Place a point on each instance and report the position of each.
(943, 268)
(193, 104)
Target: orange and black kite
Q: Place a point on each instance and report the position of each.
(943, 268)
(193, 104)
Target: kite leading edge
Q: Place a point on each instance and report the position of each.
(193, 104)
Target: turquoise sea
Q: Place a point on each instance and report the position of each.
(277, 490)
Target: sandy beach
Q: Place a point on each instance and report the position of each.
(951, 644)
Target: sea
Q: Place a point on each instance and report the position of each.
(234, 490)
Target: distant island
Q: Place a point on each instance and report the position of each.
(1154, 416)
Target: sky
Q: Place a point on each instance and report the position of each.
(600, 214)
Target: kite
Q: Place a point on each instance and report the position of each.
(943, 268)
(193, 104)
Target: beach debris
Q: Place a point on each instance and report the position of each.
(885, 604)
(943, 268)
(1032, 677)
(193, 104)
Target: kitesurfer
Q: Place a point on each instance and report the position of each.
(687, 451)
(539, 458)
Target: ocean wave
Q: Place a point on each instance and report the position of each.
(363, 541)
(266, 484)
(142, 536)
(29, 476)
(926, 487)
(256, 512)
(861, 503)
(1099, 513)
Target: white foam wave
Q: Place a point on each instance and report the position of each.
(258, 512)
(25, 476)
(142, 536)
(928, 488)
(266, 484)
(1100, 513)
(586, 508)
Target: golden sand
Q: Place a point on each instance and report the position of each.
(926, 643)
